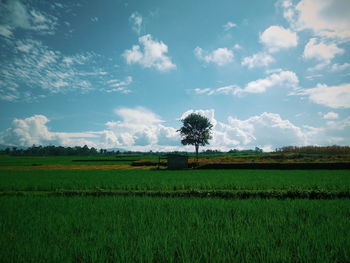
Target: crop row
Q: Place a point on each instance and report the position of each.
(316, 180)
(238, 194)
(133, 229)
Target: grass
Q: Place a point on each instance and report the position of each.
(134, 229)
(6, 160)
(204, 180)
(75, 215)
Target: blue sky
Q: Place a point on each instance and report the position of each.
(120, 74)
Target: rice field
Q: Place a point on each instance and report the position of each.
(141, 229)
(164, 180)
(109, 216)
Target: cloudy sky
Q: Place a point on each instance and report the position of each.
(121, 73)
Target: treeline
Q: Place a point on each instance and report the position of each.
(334, 149)
(52, 150)
(256, 150)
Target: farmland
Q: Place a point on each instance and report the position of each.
(141, 229)
(118, 215)
(165, 182)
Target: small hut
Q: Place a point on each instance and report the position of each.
(176, 161)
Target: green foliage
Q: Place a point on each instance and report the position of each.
(201, 180)
(72, 227)
(334, 149)
(6, 160)
(195, 130)
(110, 229)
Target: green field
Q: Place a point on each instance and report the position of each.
(135, 229)
(337, 180)
(7, 160)
(65, 216)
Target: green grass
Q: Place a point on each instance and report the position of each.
(132, 229)
(163, 180)
(42, 226)
(6, 160)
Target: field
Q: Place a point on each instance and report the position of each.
(171, 216)
(139, 229)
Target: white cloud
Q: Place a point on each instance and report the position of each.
(138, 116)
(31, 70)
(116, 85)
(321, 51)
(330, 96)
(136, 21)
(319, 66)
(268, 129)
(149, 53)
(15, 15)
(210, 114)
(226, 90)
(286, 79)
(220, 56)
(331, 115)
(5, 31)
(325, 18)
(276, 38)
(340, 67)
(260, 59)
(29, 131)
(141, 129)
(229, 25)
(334, 132)
(94, 19)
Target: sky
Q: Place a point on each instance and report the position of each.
(122, 74)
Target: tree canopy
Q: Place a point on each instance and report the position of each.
(196, 130)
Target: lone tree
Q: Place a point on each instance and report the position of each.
(195, 131)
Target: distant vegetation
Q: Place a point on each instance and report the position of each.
(334, 149)
(52, 150)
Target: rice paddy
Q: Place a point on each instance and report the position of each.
(138, 215)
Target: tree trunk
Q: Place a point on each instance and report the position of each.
(197, 146)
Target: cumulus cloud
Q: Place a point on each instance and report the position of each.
(276, 38)
(325, 18)
(29, 131)
(334, 132)
(149, 54)
(330, 96)
(330, 115)
(141, 129)
(210, 114)
(136, 21)
(34, 130)
(268, 129)
(260, 59)
(286, 79)
(220, 56)
(319, 50)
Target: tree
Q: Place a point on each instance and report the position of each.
(196, 130)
